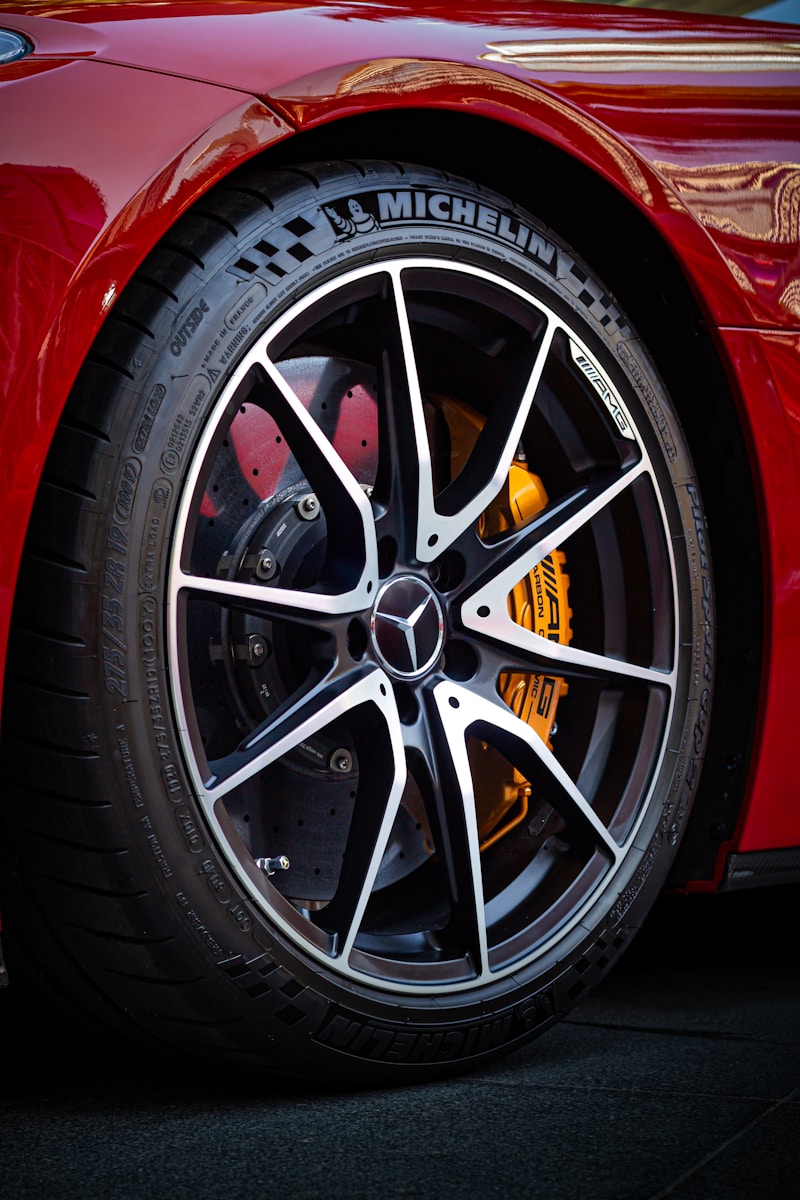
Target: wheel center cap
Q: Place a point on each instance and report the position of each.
(407, 626)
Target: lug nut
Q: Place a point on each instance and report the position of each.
(341, 761)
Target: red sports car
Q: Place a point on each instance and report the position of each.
(400, 570)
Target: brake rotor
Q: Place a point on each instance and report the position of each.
(264, 661)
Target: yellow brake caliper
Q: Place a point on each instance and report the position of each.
(538, 602)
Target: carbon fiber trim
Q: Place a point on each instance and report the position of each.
(760, 867)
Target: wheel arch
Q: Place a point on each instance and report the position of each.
(93, 234)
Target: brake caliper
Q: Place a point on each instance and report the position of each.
(539, 602)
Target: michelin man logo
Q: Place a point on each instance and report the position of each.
(358, 221)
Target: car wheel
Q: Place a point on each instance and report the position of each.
(364, 637)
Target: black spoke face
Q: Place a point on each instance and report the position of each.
(423, 625)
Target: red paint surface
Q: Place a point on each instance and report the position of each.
(82, 200)
(768, 366)
(118, 123)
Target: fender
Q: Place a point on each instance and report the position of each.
(110, 205)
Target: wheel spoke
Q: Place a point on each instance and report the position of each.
(458, 833)
(382, 779)
(276, 601)
(522, 650)
(570, 660)
(330, 699)
(462, 711)
(462, 503)
(405, 477)
(485, 612)
(349, 520)
(351, 567)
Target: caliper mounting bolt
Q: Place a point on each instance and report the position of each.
(308, 507)
(266, 567)
(256, 649)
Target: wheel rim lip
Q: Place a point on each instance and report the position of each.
(250, 878)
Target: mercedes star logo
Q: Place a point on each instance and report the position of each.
(407, 626)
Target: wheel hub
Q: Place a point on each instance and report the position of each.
(407, 626)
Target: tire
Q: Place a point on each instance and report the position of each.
(362, 655)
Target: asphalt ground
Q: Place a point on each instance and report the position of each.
(679, 1077)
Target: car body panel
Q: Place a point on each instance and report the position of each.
(696, 124)
(694, 132)
(768, 368)
(79, 212)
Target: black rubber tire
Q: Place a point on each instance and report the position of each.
(115, 884)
